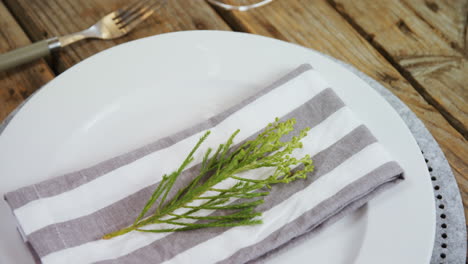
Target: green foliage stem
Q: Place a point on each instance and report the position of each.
(265, 151)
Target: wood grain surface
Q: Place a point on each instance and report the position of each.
(17, 84)
(437, 70)
(317, 24)
(448, 18)
(44, 19)
(419, 47)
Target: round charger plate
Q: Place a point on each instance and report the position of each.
(137, 92)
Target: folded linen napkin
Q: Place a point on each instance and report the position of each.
(64, 218)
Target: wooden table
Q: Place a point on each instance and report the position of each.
(418, 49)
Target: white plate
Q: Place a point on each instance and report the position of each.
(135, 93)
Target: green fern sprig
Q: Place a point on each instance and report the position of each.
(227, 162)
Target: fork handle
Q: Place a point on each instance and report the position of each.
(26, 54)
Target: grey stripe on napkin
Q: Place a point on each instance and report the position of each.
(348, 209)
(73, 180)
(175, 243)
(323, 212)
(121, 214)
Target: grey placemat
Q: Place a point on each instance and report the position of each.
(450, 241)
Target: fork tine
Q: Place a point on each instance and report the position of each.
(137, 20)
(129, 10)
(139, 15)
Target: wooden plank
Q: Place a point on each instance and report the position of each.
(439, 72)
(43, 19)
(448, 18)
(18, 83)
(316, 24)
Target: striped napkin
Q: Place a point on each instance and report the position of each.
(64, 218)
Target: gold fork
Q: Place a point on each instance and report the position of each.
(111, 26)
